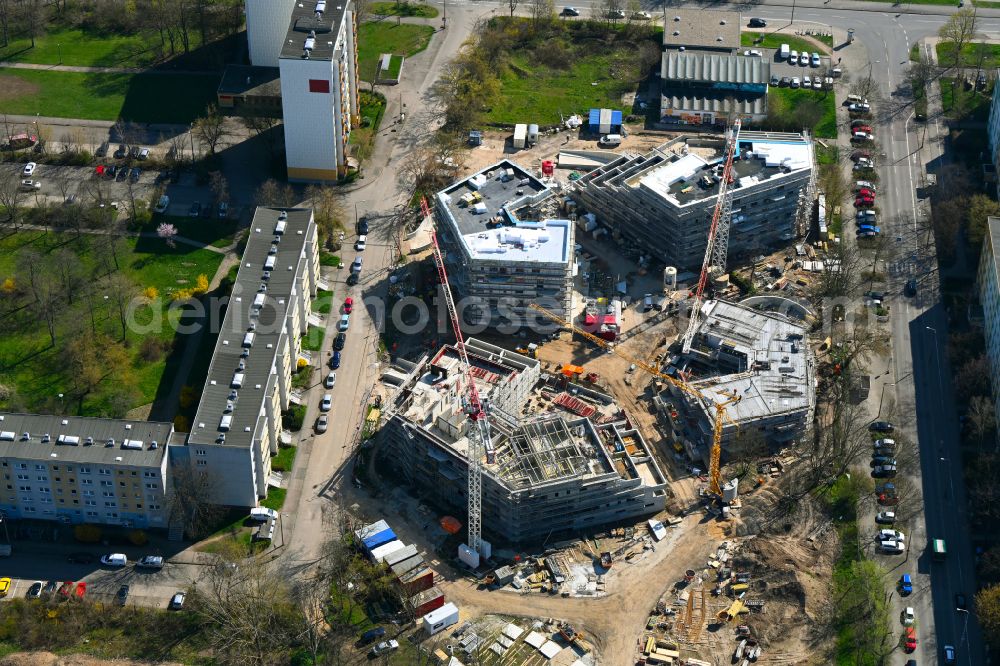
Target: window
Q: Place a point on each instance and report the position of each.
(103, 470)
(134, 473)
(86, 482)
(23, 477)
(138, 506)
(58, 479)
(30, 509)
(154, 507)
(197, 452)
(40, 468)
(88, 493)
(112, 515)
(55, 468)
(202, 463)
(149, 475)
(90, 502)
(121, 483)
(45, 490)
(111, 505)
(46, 500)
(319, 86)
(24, 489)
(92, 514)
(108, 493)
(22, 465)
(84, 470)
(107, 483)
(152, 486)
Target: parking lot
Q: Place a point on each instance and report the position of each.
(783, 68)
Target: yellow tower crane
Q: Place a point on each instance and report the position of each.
(714, 474)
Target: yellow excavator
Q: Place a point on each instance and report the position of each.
(714, 474)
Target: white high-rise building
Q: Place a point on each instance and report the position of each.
(319, 89)
(267, 25)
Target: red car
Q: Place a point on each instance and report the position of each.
(65, 589)
(348, 305)
(864, 203)
(911, 639)
(81, 589)
(861, 154)
(861, 128)
(865, 192)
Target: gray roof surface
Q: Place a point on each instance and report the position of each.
(495, 194)
(714, 67)
(205, 429)
(720, 102)
(306, 19)
(251, 81)
(138, 450)
(700, 28)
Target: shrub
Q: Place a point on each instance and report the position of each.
(9, 286)
(87, 533)
(152, 293)
(151, 349)
(188, 396)
(301, 363)
(181, 423)
(182, 295)
(293, 418)
(201, 285)
(138, 538)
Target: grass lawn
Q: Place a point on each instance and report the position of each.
(34, 368)
(323, 302)
(329, 259)
(970, 54)
(84, 49)
(774, 40)
(827, 154)
(374, 39)
(282, 462)
(419, 10)
(958, 102)
(147, 97)
(785, 104)
(985, 4)
(313, 339)
(275, 498)
(213, 231)
(395, 65)
(540, 94)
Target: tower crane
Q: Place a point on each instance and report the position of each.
(479, 433)
(714, 473)
(717, 249)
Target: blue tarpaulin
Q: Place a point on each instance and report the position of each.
(595, 117)
(616, 117)
(378, 539)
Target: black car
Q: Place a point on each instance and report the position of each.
(363, 227)
(35, 590)
(339, 341)
(758, 23)
(206, 211)
(785, 82)
(50, 587)
(195, 210)
(81, 558)
(371, 636)
(134, 153)
(111, 171)
(960, 603)
(121, 152)
(352, 279)
(881, 426)
(134, 174)
(911, 287)
(122, 596)
(122, 174)
(102, 150)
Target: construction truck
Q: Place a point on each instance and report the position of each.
(568, 633)
(606, 560)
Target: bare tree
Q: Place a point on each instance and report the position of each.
(261, 126)
(189, 500)
(219, 185)
(512, 6)
(211, 128)
(12, 197)
(121, 291)
(982, 418)
(957, 32)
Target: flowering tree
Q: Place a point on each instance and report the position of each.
(167, 231)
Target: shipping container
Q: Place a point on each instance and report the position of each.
(440, 619)
(417, 580)
(426, 601)
(520, 135)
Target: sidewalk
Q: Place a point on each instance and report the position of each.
(102, 70)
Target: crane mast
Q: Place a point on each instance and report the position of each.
(479, 434)
(717, 249)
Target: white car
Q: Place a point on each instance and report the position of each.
(891, 535)
(908, 617)
(795, 82)
(807, 81)
(793, 57)
(344, 323)
(804, 59)
(385, 646)
(864, 185)
(31, 185)
(892, 547)
(817, 84)
(862, 107)
(177, 601)
(359, 245)
(326, 403)
(162, 204)
(815, 61)
(885, 517)
(753, 53)
(28, 169)
(331, 380)
(642, 16)
(114, 560)
(863, 136)
(150, 562)
(885, 443)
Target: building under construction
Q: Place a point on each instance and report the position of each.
(761, 359)
(556, 463)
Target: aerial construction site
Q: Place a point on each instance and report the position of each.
(600, 449)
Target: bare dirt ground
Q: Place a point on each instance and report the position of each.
(13, 87)
(50, 659)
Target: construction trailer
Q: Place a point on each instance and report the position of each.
(440, 619)
(520, 135)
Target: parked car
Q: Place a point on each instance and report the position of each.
(122, 174)
(162, 204)
(642, 16)
(5, 584)
(803, 59)
(223, 210)
(860, 125)
(882, 460)
(122, 596)
(154, 562)
(30, 185)
(793, 57)
(960, 603)
(892, 547)
(114, 560)
(344, 323)
(866, 193)
(335, 360)
(910, 642)
(360, 244)
(615, 14)
(326, 403)
(121, 151)
(570, 11)
(29, 169)
(885, 517)
(322, 422)
(860, 155)
(362, 227)
(177, 601)
(102, 150)
(785, 82)
(385, 647)
(331, 380)
(371, 636)
(814, 60)
(807, 81)
(864, 185)
(610, 140)
(348, 305)
(864, 165)
(885, 442)
(262, 514)
(135, 174)
(949, 654)
(775, 81)
(352, 279)
(908, 616)
(80, 590)
(796, 82)
(863, 137)
(905, 584)
(862, 107)
(817, 83)
(884, 472)
(134, 152)
(66, 589)
(881, 426)
(144, 154)
(35, 591)
(890, 535)
(339, 341)
(753, 53)
(757, 23)
(195, 209)
(50, 588)
(356, 265)
(910, 288)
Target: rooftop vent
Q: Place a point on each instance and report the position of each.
(153, 445)
(65, 422)
(46, 439)
(321, 6)
(310, 42)
(25, 436)
(277, 239)
(7, 436)
(225, 422)
(267, 275)
(70, 440)
(229, 407)
(132, 444)
(676, 32)
(88, 442)
(245, 353)
(273, 250)
(242, 366)
(221, 439)
(237, 380)
(109, 443)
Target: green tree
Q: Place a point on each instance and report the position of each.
(988, 610)
(957, 32)
(981, 207)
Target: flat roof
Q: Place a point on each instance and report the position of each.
(250, 81)
(719, 102)
(322, 17)
(698, 28)
(243, 360)
(484, 208)
(762, 156)
(83, 440)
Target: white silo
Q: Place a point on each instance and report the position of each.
(669, 278)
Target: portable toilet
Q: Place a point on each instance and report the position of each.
(532, 134)
(475, 138)
(520, 135)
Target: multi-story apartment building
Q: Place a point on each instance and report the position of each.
(267, 25)
(993, 131)
(319, 89)
(84, 470)
(545, 472)
(498, 261)
(237, 426)
(663, 200)
(988, 283)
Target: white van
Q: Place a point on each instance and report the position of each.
(262, 514)
(783, 52)
(855, 99)
(611, 140)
